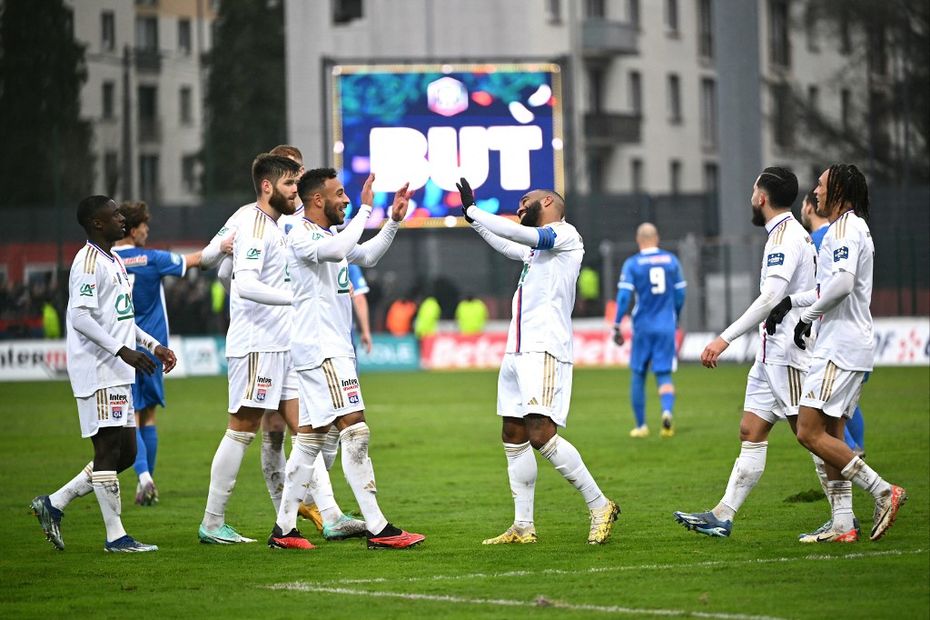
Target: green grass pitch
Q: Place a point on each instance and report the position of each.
(441, 471)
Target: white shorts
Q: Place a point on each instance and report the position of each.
(329, 391)
(107, 407)
(534, 383)
(773, 392)
(831, 389)
(261, 380)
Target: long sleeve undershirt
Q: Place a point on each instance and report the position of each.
(369, 253)
(338, 246)
(773, 290)
(83, 322)
(511, 250)
(248, 286)
(503, 227)
(835, 291)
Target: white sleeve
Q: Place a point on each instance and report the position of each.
(224, 273)
(511, 250)
(834, 291)
(773, 290)
(503, 227)
(338, 246)
(802, 300)
(146, 341)
(212, 254)
(247, 284)
(83, 322)
(369, 253)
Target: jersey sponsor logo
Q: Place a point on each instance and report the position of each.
(123, 307)
(119, 403)
(776, 259)
(263, 384)
(222, 231)
(136, 261)
(87, 290)
(287, 273)
(840, 254)
(526, 268)
(253, 254)
(348, 384)
(342, 281)
(175, 258)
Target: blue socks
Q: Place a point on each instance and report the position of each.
(142, 462)
(146, 449)
(638, 397)
(855, 430)
(667, 400)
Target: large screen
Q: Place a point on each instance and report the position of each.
(498, 125)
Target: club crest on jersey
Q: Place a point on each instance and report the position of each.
(840, 254)
(776, 259)
(350, 387)
(263, 384)
(118, 404)
(253, 254)
(87, 290)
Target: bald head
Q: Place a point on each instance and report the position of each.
(647, 235)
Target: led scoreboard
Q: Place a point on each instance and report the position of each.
(497, 124)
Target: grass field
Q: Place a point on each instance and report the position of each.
(441, 471)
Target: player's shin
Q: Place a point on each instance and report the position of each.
(361, 476)
(638, 397)
(866, 478)
(567, 461)
(330, 447)
(840, 494)
(297, 477)
(321, 488)
(79, 486)
(747, 470)
(821, 468)
(223, 473)
(521, 470)
(106, 488)
(273, 463)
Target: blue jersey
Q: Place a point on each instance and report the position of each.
(654, 275)
(357, 278)
(146, 269)
(818, 235)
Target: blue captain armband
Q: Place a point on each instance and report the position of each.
(546, 238)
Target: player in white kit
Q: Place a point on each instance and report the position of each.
(843, 352)
(535, 382)
(102, 363)
(773, 387)
(330, 394)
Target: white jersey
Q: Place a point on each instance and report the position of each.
(99, 283)
(322, 304)
(542, 305)
(790, 255)
(259, 247)
(232, 224)
(287, 222)
(845, 336)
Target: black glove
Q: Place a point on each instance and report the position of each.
(777, 315)
(618, 337)
(468, 198)
(800, 330)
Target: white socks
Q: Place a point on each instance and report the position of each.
(223, 472)
(521, 469)
(839, 492)
(361, 476)
(821, 469)
(746, 472)
(79, 486)
(106, 488)
(330, 447)
(273, 463)
(866, 478)
(567, 461)
(298, 477)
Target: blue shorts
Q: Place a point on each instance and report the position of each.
(149, 390)
(653, 348)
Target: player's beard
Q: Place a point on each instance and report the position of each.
(532, 214)
(333, 214)
(757, 218)
(280, 203)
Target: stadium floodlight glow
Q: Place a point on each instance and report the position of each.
(500, 125)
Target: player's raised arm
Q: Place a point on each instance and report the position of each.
(513, 251)
(529, 236)
(369, 253)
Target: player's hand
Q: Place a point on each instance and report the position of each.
(139, 361)
(167, 357)
(618, 336)
(401, 202)
(366, 342)
(368, 195)
(713, 351)
(468, 197)
(801, 330)
(777, 315)
(226, 245)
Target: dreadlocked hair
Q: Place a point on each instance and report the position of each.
(846, 184)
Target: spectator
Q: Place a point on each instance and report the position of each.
(400, 316)
(427, 321)
(471, 315)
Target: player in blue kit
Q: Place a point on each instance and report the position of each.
(146, 269)
(817, 226)
(654, 277)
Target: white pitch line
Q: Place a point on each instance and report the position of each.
(638, 567)
(503, 602)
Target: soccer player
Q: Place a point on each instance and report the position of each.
(147, 268)
(102, 360)
(843, 351)
(654, 276)
(330, 395)
(773, 388)
(854, 434)
(535, 382)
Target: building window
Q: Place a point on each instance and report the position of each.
(671, 16)
(147, 34)
(811, 30)
(148, 178)
(705, 29)
(344, 11)
(636, 176)
(184, 36)
(596, 89)
(189, 173)
(110, 172)
(674, 176)
(109, 105)
(711, 178)
(782, 115)
(107, 31)
(632, 12)
(813, 105)
(845, 32)
(845, 108)
(779, 43)
(674, 99)
(554, 11)
(185, 107)
(636, 93)
(148, 113)
(708, 112)
(595, 9)
(596, 165)
(878, 51)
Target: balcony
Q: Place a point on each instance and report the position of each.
(608, 129)
(603, 37)
(147, 60)
(149, 130)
